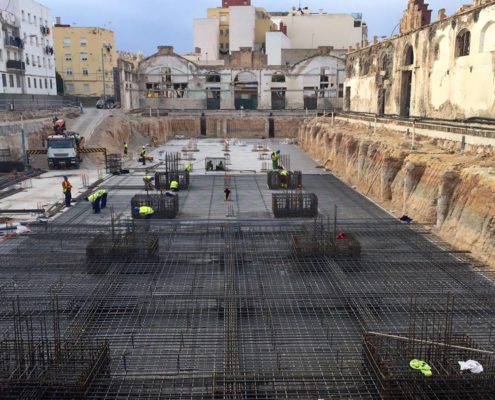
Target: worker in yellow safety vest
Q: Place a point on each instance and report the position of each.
(284, 179)
(174, 186)
(144, 211)
(188, 168)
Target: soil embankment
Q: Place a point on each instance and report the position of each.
(435, 184)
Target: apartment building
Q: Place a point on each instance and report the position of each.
(27, 63)
(85, 59)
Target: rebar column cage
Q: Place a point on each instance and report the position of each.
(294, 205)
(163, 179)
(128, 247)
(113, 163)
(213, 164)
(171, 162)
(293, 180)
(387, 357)
(164, 206)
(317, 243)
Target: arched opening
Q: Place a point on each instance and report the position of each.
(246, 91)
(463, 43)
(278, 90)
(409, 55)
(487, 37)
(213, 91)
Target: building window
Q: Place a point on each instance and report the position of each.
(1, 54)
(31, 40)
(29, 82)
(85, 72)
(409, 56)
(34, 81)
(69, 72)
(33, 60)
(66, 42)
(68, 57)
(44, 62)
(84, 56)
(41, 84)
(278, 78)
(51, 83)
(4, 80)
(29, 17)
(34, 19)
(39, 62)
(18, 80)
(46, 83)
(463, 43)
(70, 88)
(8, 55)
(86, 88)
(221, 32)
(23, 15)
(41, 21)
(83, 42)
(11, 80)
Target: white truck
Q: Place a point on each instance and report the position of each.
(63, 150)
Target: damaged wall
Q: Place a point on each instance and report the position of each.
(445, 70)
(454, 193)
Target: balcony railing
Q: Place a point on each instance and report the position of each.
(16, 65)
(14, 41)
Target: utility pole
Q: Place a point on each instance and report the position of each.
(103, 72)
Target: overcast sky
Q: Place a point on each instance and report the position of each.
(143, 25)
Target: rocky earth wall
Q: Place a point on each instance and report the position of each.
(435, 184)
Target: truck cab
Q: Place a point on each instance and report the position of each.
(62, 152)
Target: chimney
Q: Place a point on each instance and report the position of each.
(441, 14)
(165, 50)
(58, 21)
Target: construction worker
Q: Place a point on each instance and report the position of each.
(174, 186)
(209, 165)
(188, 168)
(143, 155)
(144, 212)
(284, 179)
(275, 157)
(227, 194)
(103, 198)
(95, 200)
(67, 188)
(126, 149)
(148, 182)
(220, 167)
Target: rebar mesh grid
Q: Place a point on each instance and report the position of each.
(163, 205)
(113, 163)
(294, 205)
(277, 181)
(228, 310)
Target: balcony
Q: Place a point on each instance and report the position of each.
(14, 41)
(16, 65)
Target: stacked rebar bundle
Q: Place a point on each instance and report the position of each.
(164, 205)
(294, 205)
(292, 181)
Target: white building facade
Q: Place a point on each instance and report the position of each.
(206, 38)
(27, 63)
(242, 27)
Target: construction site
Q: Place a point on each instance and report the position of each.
(303, 289)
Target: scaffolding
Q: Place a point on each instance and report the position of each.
(164, 205)
(292, 181)
(294, 205)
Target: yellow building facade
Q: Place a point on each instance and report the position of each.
(263, 24)
(85, 59)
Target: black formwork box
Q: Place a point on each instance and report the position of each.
(105, 249)
(294, 180)
(216, 161)
(164, 206)
(163, 179)
(113, 163)
(294, 205)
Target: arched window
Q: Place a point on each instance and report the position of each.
(463, 43)
(409, 56)
(212, 77)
